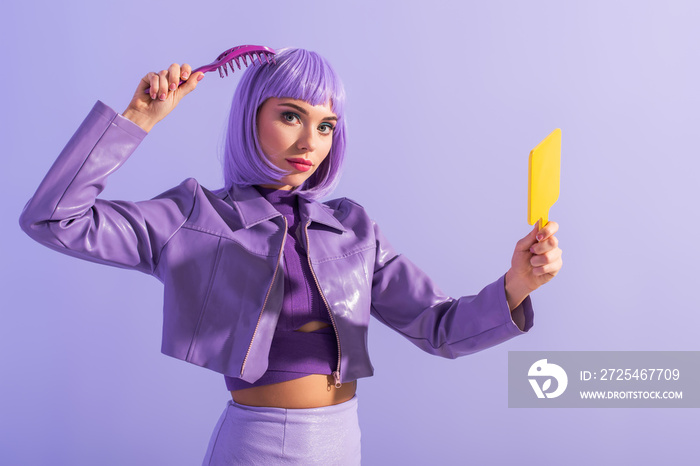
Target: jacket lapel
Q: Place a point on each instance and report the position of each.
(319, 213)
(250, 205)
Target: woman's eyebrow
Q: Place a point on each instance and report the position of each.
(304, 112)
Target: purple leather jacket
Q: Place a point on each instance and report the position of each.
(218, 255)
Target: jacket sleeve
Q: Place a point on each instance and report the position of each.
(405, 299)
(65, 214)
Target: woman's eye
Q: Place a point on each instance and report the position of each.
(290, 117)
(326, 128)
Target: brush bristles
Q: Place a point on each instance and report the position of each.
(245, 58)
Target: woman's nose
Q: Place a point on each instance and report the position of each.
(307, 140)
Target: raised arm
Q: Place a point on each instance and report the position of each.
(65, 214)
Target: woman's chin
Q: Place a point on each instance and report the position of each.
(293, 181)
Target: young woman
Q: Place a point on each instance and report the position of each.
(263, 283)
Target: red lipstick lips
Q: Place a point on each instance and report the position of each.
(300, 164)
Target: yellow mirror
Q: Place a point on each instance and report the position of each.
(543, 178)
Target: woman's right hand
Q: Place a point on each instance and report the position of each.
(148, 108)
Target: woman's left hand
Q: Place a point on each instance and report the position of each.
(536, 260)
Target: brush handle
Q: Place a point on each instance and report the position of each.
(236, 54)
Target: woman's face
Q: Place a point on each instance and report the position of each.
(296, 136)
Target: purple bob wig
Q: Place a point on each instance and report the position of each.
(297, 74)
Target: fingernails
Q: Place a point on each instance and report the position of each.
(200, 77)
(153, 95)
(539, 237)
(173, 86)
(162, 96)
(532, 250)
(185, 75)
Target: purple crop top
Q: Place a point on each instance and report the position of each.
(295, 354)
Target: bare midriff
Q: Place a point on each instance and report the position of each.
(312, 391)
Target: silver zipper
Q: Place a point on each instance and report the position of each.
(274, 277)
(336, 373)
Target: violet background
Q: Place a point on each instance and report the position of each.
(445, 101)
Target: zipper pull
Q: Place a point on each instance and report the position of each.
(336, 376)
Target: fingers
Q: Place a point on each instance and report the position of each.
(154, 82)
(173, 76)
(526, 243)
(549, 269)
(549, 257)
(166, 82)
(144, 84)
(545, 245)
(549, 229)
(539, 241)
(163, 82)
(546, 258)
(536, 260)
(191, 83)
(185, 72)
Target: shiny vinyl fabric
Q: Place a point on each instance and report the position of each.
(218, 256)
(249, 435)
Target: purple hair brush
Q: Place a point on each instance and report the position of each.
(238, 54)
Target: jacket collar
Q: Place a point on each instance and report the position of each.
(319, 213)
(253, 208)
